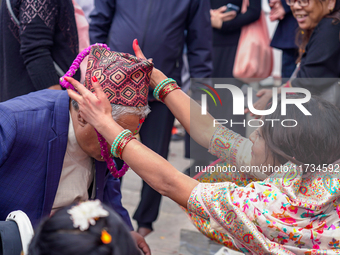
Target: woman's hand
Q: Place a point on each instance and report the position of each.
(277, 11)
(95, 108)
(157, 76)
(218, 16)
(266, 95)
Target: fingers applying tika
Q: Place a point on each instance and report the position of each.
(138, 51)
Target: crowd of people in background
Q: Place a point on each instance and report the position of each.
(53, 154)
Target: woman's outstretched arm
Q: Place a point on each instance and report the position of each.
(187, 111)
(151, 167)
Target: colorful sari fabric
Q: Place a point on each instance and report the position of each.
(290, 212)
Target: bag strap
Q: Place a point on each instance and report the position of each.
(245, 4)
(294, 74)
(59, 71)
(9, 7)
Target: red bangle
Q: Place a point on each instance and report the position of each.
(123, 143)
(167, 89)
(287, 85)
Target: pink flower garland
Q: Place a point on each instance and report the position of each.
(103, 145)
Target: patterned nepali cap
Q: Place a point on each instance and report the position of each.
(124, 78)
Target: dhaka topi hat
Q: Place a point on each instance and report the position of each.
(124, 78)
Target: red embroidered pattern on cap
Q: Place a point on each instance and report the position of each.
(123, 77)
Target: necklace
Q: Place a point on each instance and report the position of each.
(109, 161)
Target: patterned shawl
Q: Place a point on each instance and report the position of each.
(290, 212)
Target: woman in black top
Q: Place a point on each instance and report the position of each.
(226, 33)
(319, 46)
(47, 33)
(225, 37)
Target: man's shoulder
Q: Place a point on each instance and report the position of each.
(40, 100)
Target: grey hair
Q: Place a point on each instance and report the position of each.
(120, 110)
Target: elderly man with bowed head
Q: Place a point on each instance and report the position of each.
(50, 157)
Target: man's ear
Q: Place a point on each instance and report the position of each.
(80, 120)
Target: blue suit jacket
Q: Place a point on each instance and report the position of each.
(33, 139)
(285, 33)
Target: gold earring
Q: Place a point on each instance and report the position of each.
(331, 10)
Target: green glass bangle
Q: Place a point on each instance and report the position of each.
(117, 140)
(120, 136)
(162, 83)
(160, 86)
(114, 146)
